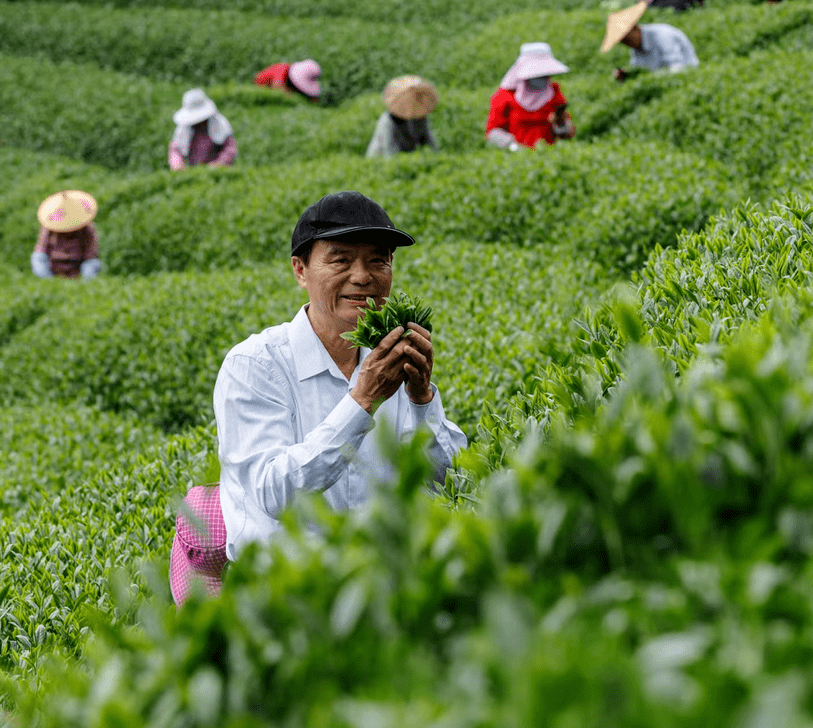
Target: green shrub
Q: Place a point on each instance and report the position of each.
(84, 493)
(735, 113)
(688, 299)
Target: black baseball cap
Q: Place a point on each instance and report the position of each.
(347, 216)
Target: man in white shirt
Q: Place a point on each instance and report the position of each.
(655, 46)
(295, 404)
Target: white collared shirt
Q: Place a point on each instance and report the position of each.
(286, 423)
(663, 46)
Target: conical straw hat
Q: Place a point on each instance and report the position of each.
(67, 211)
(621, 23)
(410, 97)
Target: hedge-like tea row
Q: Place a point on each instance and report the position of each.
(738, 115)
(409, 611)
(362, 52)
(617, 203)
(691, 298)
(85, 492)
(207, 47)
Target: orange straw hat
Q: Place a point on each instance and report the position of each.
(621, 23)
(67, 211)
(410, 97)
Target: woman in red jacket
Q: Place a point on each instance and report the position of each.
(301, 77)
(528, 106)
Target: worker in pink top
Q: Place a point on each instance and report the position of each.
(67, 245)
(528, 106)
(202, 134)
(301, 77)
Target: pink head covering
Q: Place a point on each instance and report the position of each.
(535, 60)
(199, 549)
(305, 76)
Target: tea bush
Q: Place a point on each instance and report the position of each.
(737, 114)
(84, 493)
(688, 299)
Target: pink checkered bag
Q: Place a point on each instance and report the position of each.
(199, 549)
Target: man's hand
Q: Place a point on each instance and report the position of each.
(619, 74)
(418, 368)
(394, 361)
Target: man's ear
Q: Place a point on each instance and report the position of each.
(299, 271)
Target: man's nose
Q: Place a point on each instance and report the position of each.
(360, 273)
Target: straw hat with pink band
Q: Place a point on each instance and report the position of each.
(410, 97)
(621, 23)
(199, 548)
(67, 211)
(304, 75)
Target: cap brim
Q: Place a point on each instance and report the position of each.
(391, 237)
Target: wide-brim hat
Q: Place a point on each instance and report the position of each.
(304, 75)
(349, 216)
(621, 23)
(199, 549)
(538, 63)
(410, 97)
(197, 107)
(67, 211)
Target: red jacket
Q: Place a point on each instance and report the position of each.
(273, 76)
(528, 127)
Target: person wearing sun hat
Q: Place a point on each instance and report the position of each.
(301, 77)
(296, 404)
(404, 126)
(656, 46)
(528, 107)
(202, 134)
(67, 245)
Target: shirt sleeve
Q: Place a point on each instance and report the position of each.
(498, 123)
(256, 412)
(228, 154)
(498, 115)
(176, 160)
(41, 245)
(91, 243)
(448, 437)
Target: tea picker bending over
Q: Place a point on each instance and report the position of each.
(202, 134)
(404, 126)
(528, 106)
(301, 77)
(67, 245)
(656, 46)
(295, 404)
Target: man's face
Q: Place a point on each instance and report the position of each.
(339, 277)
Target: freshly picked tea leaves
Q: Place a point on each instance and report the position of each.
(376, 323)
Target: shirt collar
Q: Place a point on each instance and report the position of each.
(309, 353)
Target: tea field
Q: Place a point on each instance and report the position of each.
(622, 327)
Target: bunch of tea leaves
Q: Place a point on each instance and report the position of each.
(376, 323)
